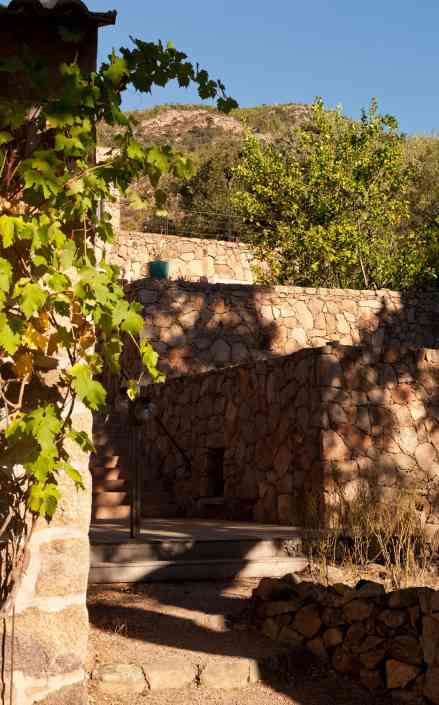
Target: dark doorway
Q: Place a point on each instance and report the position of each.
(215, 472)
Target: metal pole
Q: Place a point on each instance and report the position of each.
(135, 490)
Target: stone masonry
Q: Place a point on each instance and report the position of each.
(293, 439)
(51, 621)
(190, 259)
(387, 641)
(196, 327)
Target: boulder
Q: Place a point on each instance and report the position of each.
(399, 674)
(332, 637)
(357, 610)
(406, 649)
(307, 621)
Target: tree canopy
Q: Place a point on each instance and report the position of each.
(330, 205)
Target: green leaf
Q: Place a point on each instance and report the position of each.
(71, 472)
(10, 340)
(82, 439)
(133, 323)
(7, 230)
(5, 275)
(91, 392)
(132, 389)
(117, 70)
(68, 254)
(33, 298)
(44, 425)
(150, 359)
(5, 137)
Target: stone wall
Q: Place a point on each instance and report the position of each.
(248, 424)
(51, 621)
(196, 327)
(190, 258)
(300, 437)
(389, 641)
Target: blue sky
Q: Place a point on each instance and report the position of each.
(346, 51)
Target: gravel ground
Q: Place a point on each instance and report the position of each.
(186, 622)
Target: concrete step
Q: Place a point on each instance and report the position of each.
(156, 511)
(111, 513)
(110, 499)
(184, 550)
(161, 571)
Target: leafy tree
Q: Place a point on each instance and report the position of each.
(329, 207)
(63, 314)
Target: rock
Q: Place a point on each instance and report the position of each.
(403, 598)
(392, 618)
(406, 649)
(368, 588)
(272, 589)
(332, 617)
(425, 456)
(371, 679)
(399, 674)
(317, 647)
(307, 621)
(344, 662)
(369, 644)
(424, 596)
(169, 674)
(357, 610)
(431, 685)
(354, 635)
(233, 673)
(332, 637)
(271, 609)
(334, 447)
(289, 636)
(371, 659)
(270, 628)
(120, 679)
(430, 640)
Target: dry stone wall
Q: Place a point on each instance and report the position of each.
(190, 258)
(389, 641)
(299, 438)
(197, 327)
(49, 631)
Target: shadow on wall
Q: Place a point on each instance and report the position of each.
(225, 338)
(380, 420)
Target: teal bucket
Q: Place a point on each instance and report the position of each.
(158, 269)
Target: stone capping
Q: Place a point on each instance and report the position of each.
(372, 295)
(388, 641)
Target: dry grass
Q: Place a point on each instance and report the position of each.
(373, 534)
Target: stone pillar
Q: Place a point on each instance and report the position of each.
(51, 621)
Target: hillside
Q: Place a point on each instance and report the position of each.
(213, 140)
(192, 126)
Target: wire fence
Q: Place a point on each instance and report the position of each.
(194, 223)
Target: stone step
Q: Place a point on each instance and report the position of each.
(102, 473)
(111, 513)
(110, 499)
(160, 571)
(103, 461)
(100, 486)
